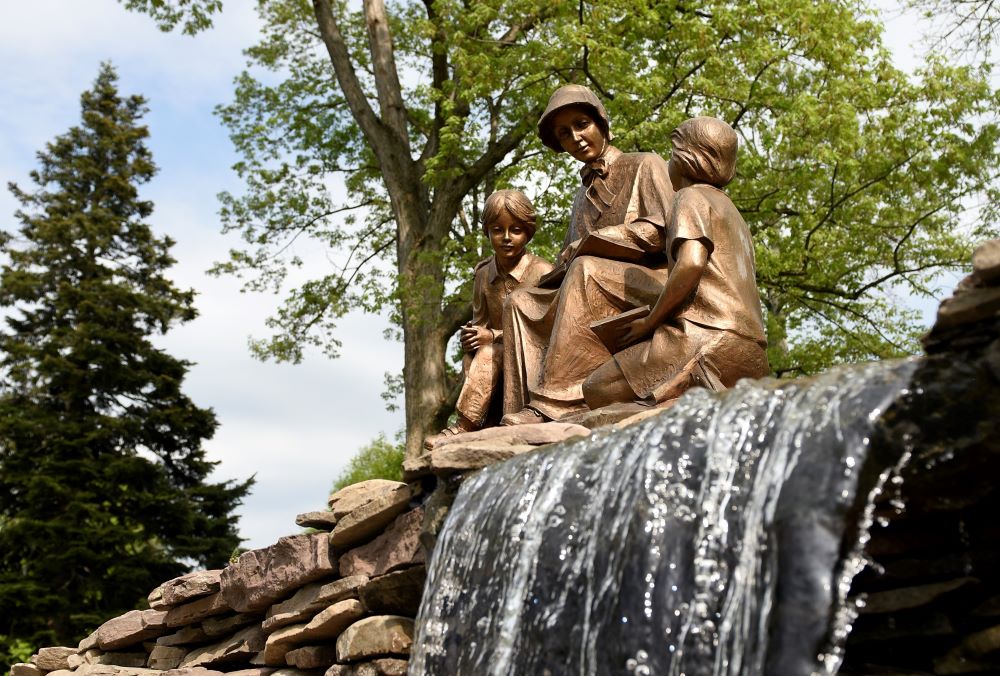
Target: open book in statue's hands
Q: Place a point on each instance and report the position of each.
(598, 245)
(611, 331)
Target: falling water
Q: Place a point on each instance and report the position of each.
(717, 538)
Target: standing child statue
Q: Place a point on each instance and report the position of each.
(706, 327)
(509, 221)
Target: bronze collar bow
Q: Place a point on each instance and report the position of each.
(597, 168)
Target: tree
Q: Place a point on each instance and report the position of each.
(378, 459)
(103, 490)
(970, 26)
(852, 176)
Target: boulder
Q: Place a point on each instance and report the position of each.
(371, 517)
(986, 262)
(133, 627)
(263, 576)
(238, 648)
(397, 547)
(51, 659)
(396, 593)
(378, 636)
(311, 599)
(25, 669)
(196, 611)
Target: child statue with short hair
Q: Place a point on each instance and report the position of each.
(509, 222)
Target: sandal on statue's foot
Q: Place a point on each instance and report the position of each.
(461, 427)
(526, 416)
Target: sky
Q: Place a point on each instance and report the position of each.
(293, 426)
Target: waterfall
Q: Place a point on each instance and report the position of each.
(720, 537)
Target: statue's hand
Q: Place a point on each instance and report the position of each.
(474, 337)
(636, 331)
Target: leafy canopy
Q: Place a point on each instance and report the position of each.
(853, 177)
(103, 478)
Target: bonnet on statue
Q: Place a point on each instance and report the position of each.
(571, 95)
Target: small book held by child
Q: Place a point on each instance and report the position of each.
(609, 330)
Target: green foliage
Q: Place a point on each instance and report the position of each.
(103, 490)
(380, 459)
(13, 651)
(854, 177)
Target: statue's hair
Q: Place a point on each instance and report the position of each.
(705, 150)
(515, 203)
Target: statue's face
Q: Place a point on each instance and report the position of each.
(578, 133)
(509, 237)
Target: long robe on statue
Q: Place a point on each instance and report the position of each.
(549, 348)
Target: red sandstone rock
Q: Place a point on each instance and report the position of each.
(375, 637)
(387, 666)
(196, 611)
(185, 588)
(263, 576)
(133, 627)
(318, 520)
(370, 518)
(312, 657)
(238, 648)
(310, 600)
(51, 659)
(397, 547)
(349, 498)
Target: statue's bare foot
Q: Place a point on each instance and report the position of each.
(525, 416)
(462, 426)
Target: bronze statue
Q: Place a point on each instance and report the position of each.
(509, 222)
(706, 327)
(613, 259)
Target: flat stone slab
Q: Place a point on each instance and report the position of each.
(166, 657)
(537, 434)
(318, 520)
(133, 627)
(261, 577)
(471, 456)
(397, 547)
(378, 636)
(386, 666)
(185, 588)
(311, 599)
(186, 635)
(238, 648)
(220, 626)
(349, 498)
(196, 611)
(51, 659)
(606, 415)
(25, 669)
(325, 626)
(88, 643)
(371, 517)
(396, 593)
(312, 657)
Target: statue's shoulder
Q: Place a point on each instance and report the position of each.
(636, 165)
(481, 265)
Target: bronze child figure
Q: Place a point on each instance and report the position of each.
(509, 222)
(706, 327)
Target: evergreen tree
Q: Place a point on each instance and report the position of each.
(103, 478)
